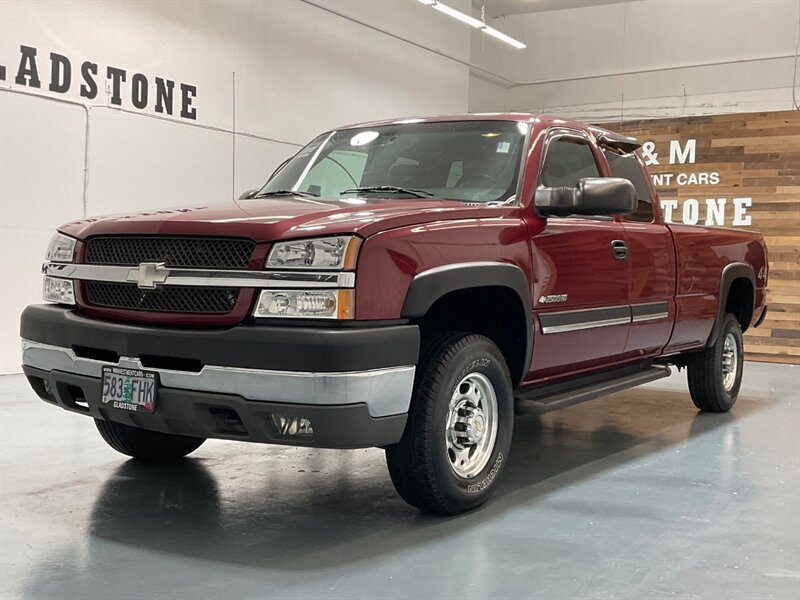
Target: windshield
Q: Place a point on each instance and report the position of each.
(473, 161)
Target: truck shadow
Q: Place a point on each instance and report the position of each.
(301, 509)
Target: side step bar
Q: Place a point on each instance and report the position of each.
(542, 399)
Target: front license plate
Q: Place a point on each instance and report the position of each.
(133, 390)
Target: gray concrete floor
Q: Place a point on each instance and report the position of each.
(633, 496)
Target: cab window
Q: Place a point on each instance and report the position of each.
(568, 160)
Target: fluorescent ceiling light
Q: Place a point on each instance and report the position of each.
(473, 22)
(457, 14)
(503, 37)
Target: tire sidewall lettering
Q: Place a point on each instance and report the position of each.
(480, 365)
(474, 488)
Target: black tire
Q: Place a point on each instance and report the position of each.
(706, 370)
(420, 465)
(145, 444)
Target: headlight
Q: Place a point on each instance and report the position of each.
(61, 248)
(58, 290)
(339, 252)
(317, 304)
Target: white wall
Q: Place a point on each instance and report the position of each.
(576, 59)
(299, 71)
(486, 95)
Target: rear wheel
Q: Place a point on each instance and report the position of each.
(715, 375)
(145, 444)
(459, 426)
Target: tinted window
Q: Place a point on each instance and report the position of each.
(628, 167)
(568, 161)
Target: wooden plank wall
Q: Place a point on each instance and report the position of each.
(756, 155)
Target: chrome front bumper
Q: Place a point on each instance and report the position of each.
(385, 391)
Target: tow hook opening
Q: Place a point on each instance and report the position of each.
(228, 421)
(43, 389)
(73, 397)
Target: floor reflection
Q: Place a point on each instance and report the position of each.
(306, 509)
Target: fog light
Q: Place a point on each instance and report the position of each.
(292, 426)
(58, 290)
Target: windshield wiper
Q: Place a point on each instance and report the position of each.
(286, 193)
(389, 189)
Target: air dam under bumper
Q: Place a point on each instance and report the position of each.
(355, 387)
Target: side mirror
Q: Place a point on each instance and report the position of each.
(592, 196)
(249, 194)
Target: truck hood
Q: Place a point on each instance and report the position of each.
(269, 219)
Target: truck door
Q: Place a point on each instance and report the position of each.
(580, 295)
(651, 256)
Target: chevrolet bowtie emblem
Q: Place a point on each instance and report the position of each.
(148, 274)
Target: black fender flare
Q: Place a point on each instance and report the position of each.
(428, 286)
(730, 273)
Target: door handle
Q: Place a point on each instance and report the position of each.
(619, 249)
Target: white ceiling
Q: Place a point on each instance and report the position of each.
(499, 8)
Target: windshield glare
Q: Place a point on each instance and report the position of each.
(472, 161)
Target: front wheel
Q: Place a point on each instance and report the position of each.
(145, 444)
(715, 375)
(459, 428)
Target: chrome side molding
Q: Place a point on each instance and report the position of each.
(591, 318)
(652, 311)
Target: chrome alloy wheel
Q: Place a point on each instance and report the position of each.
(471, 425)
(730, 361)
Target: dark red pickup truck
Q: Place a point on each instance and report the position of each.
(405, 284)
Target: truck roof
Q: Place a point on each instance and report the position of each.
(492, 116)
(625, 143)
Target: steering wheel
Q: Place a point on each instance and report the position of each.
(475, 178)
